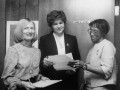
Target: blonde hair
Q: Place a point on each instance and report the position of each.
(18, 32)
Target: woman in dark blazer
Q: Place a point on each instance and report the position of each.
(56, 43)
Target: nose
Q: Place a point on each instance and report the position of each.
(30, 30)
(91, 33)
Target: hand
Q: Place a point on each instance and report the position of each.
(71, 63)
(77, 64)
(38, 77)
(44, 78)
(81, 64)
(74, 63)
(27, 84)
(47, 63)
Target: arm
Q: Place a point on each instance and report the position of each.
(76, 53)
(106, 62)
(10, 62)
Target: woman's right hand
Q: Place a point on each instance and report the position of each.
(27, 84)
(47, 62)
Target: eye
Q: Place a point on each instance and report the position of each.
(32, 28)
(26, 28)
(61, 22)
(89, 30)
(55, 23)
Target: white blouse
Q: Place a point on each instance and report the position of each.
(60, 44)
(102, 54)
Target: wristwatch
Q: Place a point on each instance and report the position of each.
(85, 66)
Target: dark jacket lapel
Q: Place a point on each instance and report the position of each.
(52, 43)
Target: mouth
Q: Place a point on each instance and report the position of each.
(29, 34)
(93, 37)
(59, 29)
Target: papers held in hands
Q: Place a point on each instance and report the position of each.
(61, 61)
(45, 83)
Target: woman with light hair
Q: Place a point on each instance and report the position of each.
(21, 65)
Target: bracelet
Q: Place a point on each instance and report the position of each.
(85, 66)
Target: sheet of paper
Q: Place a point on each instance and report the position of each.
(42, 84)
(61, 61)
(63, 66)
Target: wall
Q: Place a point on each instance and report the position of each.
(78, 12)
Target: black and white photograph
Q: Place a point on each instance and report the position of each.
(59, 44)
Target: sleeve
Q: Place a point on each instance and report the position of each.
(43, 54)
(76, 53)
(88, 56)
(36, 61)
(10, 62)
(42, 48)
(107, 60)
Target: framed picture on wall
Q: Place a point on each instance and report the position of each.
(10, 27)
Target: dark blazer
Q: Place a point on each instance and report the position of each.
(48, 47)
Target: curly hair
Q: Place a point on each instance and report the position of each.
(102, 25)
(54, 15)
(18, 32)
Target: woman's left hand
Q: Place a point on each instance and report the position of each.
(44, 78)
(76, 64)
(40, 77)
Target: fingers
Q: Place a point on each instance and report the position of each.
(47, 62)
(76, 64)
(27, 84)
(44, 78)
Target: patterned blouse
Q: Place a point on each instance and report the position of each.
(21, 63)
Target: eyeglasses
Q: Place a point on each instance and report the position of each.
(92, 31)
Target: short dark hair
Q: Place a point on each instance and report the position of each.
(55, 14)
(102, 25)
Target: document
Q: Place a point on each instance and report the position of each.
(45, 83)
(61, 61)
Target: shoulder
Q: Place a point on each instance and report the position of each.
(46, 36)
(36, 51)
(12, 50)
(107, 43)
(14, 47)
(70, 37)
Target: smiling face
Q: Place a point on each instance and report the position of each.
(95, 34)
(29, 32)
(58, 27)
